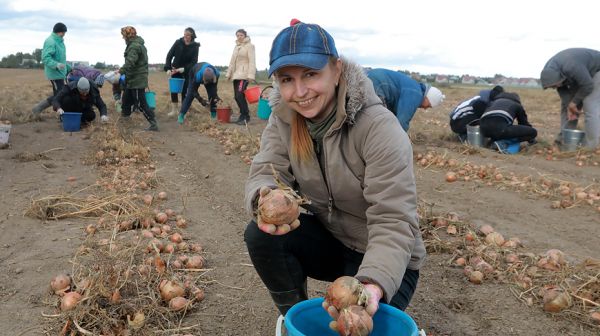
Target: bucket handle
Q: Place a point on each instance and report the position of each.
(263, 90)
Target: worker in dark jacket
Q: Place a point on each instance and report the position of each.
(182, 56)
(470, 110)
(575, 74)
(136, 71)
(201, 74)
(80, 96)
(497, 120)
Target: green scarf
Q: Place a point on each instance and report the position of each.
(318, 130)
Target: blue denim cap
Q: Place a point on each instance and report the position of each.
(303, 44)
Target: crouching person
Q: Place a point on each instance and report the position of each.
(201, 74)
(497, 121)
(80, 96)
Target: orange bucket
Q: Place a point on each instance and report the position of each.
(252, 94)
(224, 114)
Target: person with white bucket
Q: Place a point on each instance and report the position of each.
(182, 56)
(330, 138)
(201, 74)
(54, 57)
(403, 95)
(497, 122)
(80, 96)
(575, 74)
(470, 110)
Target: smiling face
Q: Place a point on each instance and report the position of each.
(307, 91)
(187, 37)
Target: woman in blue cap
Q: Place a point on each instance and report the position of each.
(332, 140)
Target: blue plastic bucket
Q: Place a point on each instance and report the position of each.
(264, 110)
(71, 121)
(176, 85)
(308, 318)
(151, 99)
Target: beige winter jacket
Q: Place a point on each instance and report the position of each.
(369, 201)
(243, 62)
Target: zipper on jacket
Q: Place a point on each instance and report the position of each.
(327, 184)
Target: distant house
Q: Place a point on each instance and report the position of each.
(28, 62)
(466, 79)
(529, 82)
(78, 63)
(442, 79)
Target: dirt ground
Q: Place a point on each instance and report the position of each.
(205, 181)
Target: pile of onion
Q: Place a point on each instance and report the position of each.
(278, 207)
(60, 284)
(170, 289)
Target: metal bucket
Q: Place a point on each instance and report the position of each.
(571, 139)
(474, 136)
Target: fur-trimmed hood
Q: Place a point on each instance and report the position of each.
(355, 92)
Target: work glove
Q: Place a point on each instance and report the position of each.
(60, 66)
(169, 73)
(60, 111)
(104, 119)
(374, 293)
(272, 229)
(180, 70)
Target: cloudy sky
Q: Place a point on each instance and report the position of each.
(482, 38)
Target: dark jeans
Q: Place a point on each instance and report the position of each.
(284, 262)
(72, 104)
(239, 87)
(459, 126)
(57, 85)
(136, 97)
(174, 97)
(498, 128)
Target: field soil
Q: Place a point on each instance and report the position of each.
(204, 176)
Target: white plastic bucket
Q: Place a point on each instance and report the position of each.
(4, 133)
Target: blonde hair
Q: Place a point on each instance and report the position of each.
(302, 144)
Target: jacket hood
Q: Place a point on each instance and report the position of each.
(551, 75)
(137, 39)
(246, 40)
(509, 95)
(354, 93)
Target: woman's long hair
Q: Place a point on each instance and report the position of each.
(301, 141)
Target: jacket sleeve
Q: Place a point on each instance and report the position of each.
(408, 102)
(60, 95)
(273, 155)
(99, 102)
(48, 54)
(169, 59)
(522, 116)
(193, 59)
(131, 57)
(251, 62)
(579, 74)
(392, 215)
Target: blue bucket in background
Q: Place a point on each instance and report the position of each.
(264, 110)
(176, 85)
(71, 121)
(151, 99)
(308, 318)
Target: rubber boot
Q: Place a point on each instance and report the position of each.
(153, 126)
(37, 109)
(174, 109)
(285, 300)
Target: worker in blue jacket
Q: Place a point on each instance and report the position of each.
(403, 95)
(201, 74)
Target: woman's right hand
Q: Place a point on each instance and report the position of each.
(279, 229)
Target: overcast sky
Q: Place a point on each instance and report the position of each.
(481, 38)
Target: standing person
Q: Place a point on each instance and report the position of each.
(497, 121)
(575, 74)
(80, 96)
(182, 56)
(201, 73)
(242, 70)
(135, 70)
(54, 57)
(470, 110)
(331, 139)
(403, 95)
